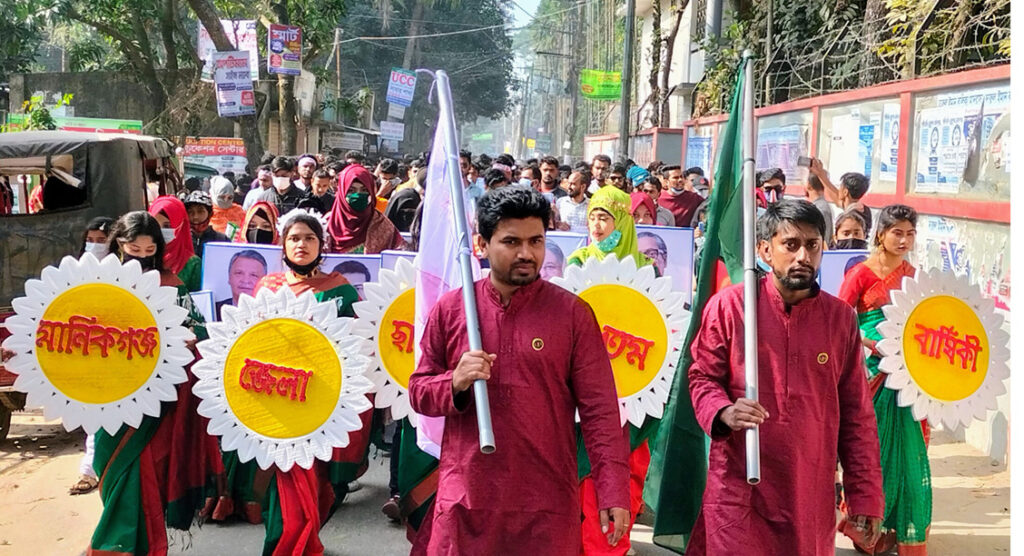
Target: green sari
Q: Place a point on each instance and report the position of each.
(906, 473)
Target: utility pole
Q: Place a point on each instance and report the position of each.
(521, 137)
(627, 80)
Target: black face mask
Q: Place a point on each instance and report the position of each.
(851, 243)
(147, 263)
(260, 236)
(305, 269)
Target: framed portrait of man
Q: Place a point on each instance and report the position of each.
(558, 247)
(357, 269)
(834, 266)
(231, 269)
(388, 259)
(671, 249)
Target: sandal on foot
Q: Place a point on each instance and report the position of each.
(85, 485)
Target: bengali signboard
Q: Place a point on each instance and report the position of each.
(401, 87)
(233, 85)
(15, 122)
(242, 34)
(284, 49)
(225, 154)
(344, 140)
(601, 85)
(392, 131)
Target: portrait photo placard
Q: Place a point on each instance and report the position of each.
(671, 249)
(357, 269)
(231, 269)
(559, 245)
(389, 259)
(835, 265)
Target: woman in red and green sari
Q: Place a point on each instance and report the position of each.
(906, 473)
(612, 231)
(299, 501)
(164, 471)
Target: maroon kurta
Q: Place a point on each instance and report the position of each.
(814, 387)
(524, 498)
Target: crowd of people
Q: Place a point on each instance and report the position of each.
(318, 204)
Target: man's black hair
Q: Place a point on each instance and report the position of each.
(618, 169)
(353, 267)
(856, 183)
(193, 184)
(694, 170)
(515, 202)
(534, 171)
(768, 174)
(793, 211)
(135, 224)
(505, 159)
(493, 177)
(815, 184)
(230, 176)
(891, 215)
(655, 167)
(264, 167)
(321, 173)
(358, 156)
(267, 159)
(584, 172)
(603, 158)
(670, 167)
(550, 160)
(282, 163)
(388, 166)
(467, 155)
(248, 254)
(482, 160)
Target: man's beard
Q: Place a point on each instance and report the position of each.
(795, 283)
(507, 277)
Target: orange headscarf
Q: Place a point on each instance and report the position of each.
(269, 212)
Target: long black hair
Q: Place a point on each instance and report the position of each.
(892, 215)
(132, 225)
(100, 224)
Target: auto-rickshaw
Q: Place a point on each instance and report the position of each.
(60, 180)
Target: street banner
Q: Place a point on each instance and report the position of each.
(944, 349)
(698, 152)
(284, 49)
(392, 131)
(282, 379)
(98, 344)
(601, 85)
(242, 34)
(396, 111)
(401, 87)
(890, 142)
(225, 154)
(386, 320)
(233, 84)
(643, 324)
(344, 140)
(15, 122)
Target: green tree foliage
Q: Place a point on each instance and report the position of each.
(20, 36)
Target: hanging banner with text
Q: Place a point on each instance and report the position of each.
(401, 87)
(225, 154)
(392, 131)
(284, 47)
(396, 111)
(242, 34)
(601, 85)
(231, 77)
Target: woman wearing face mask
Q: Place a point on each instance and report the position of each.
(612, 231)
(94, 241)
(155, 475)
(178, 256)
(260, 225)
(227, 215)
(303, 491)
(904, 441)
(354, 224)
(850, 233)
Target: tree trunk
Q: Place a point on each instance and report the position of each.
(666, 68)
(263, 114)
(654, 100)
(286, 113)
(872, 70)
(414, 29)
(210, 18)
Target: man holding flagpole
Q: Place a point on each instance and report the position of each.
(543, 358)
(814, 408)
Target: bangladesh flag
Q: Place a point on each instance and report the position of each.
(679, 457)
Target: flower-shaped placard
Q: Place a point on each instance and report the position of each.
(944, 348)
(282, 379)
(98, 344)
(644, 326)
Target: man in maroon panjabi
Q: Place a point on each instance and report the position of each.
(543, 358)
(815, 407)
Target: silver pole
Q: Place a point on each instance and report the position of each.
(454, 173)
(753, 436)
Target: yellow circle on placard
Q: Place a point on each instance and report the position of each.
(81, 322)
(926, 348)
(395, 338)
(291, 347)
(622, 309)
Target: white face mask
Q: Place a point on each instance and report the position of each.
(99, 250)
(282, 182)
(168, 234)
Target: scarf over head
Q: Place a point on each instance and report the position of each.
(616, 203)
(219, 186)
(639, 198)
(348, 229)
(179, 250)
(261, 208)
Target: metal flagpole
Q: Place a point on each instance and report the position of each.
(454, 173)
(753, 436)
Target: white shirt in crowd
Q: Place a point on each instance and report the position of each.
(574, 214)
